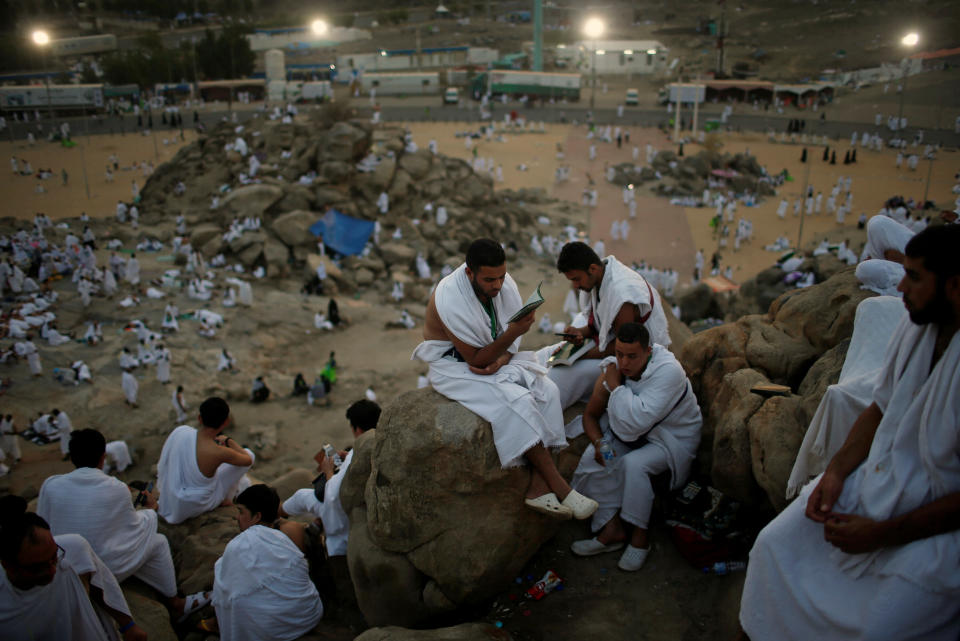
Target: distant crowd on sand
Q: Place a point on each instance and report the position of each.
(874, 524)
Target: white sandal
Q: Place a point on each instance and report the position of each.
(633, 558)
(589, 547)
(549, 504)
(581, 506)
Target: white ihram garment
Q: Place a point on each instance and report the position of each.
(336, 525)
(130, 387)
(132, 272)
(620, 286)
(843, 402)
(519, 401)
(99, 508)
(184, 491)
(885, 233)
(262, 588)
(181, 414)
(118, 455)
(660, 408)
(64, 427)
(880, 276)
(798, 586)
(62, 609)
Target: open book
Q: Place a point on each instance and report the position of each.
(568, 353)
(535, 301)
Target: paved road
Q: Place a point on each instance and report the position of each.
(636, 117)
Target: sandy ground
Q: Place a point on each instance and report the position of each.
(368, 353)
(59, 201)
(665, 235)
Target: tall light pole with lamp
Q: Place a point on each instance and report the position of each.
(593, 28)
(42, 39)
(909, 41)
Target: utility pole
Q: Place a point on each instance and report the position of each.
(721, 34)
(419, 51)
(803, 202)
(538, 35)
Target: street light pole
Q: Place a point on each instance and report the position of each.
(42, 39)
(909, 41)
(903, 92)
(593, 28)
(593, 79)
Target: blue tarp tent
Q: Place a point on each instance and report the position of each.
(341, 233)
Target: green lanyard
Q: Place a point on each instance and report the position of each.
(488, 308)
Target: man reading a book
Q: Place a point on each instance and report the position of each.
(611, 294)
(642, 420)
(474, 358)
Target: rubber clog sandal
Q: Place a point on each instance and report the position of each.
(581, 506)
(549, 504)
(632, 558)
(589, 547)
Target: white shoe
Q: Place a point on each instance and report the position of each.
(581, 506)
(633, 558)
(589, 547)
(549, 504)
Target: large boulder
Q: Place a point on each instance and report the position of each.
(293, 228)
(251, 200)
(750, 441)
(398, 254)
(699, 302)
(203, 233)
(441, 525)
(336, 171)
(416, 164)
(344, 141)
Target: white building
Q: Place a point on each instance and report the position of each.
(303, 38)
(409, 59)
(614, 57)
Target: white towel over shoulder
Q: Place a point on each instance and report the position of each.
(184, 491)
(622, 285)
(461, 311)
(520, 402)
(99, 508)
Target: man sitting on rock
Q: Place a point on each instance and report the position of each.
(612, 294)
(642, 420)
(262, 587)
(200, 470)
(475, 360)
(99, 508)
(324, 503)
(869, 549)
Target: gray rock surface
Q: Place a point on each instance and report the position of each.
(750, 442)
(440, 525)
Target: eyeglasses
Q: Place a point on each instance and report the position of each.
(39, 568)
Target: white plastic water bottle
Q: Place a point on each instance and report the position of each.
(725, 567)
(605, 450)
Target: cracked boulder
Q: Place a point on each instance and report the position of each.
(435, 523)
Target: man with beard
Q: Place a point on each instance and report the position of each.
(870, 548)
(474, 357)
